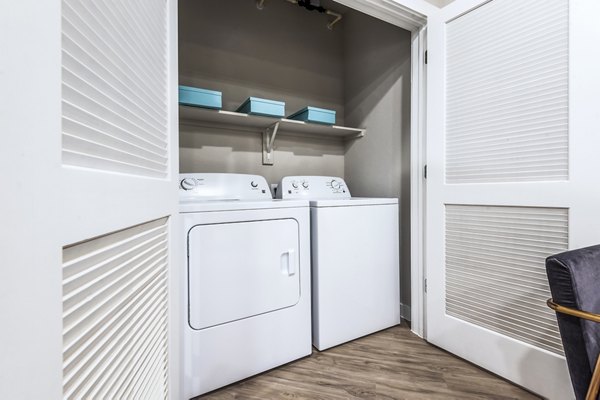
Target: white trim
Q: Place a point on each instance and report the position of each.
(417, 182)
(30, 167)
(407, 14)
(176, 258)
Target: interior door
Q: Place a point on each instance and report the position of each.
(89, 115)
(511, 129)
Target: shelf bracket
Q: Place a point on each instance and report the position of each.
(268, 137)
(336, 18)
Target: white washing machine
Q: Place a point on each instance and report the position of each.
(247, 280)
(355, 259)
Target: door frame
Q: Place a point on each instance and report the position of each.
(418, 188)
(176, 258)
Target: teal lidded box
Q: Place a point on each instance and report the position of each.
(267, 108)
(314, 114)
(191, 96)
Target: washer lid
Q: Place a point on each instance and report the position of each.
(353, 201)
(233, 205)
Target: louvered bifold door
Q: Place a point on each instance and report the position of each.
(507, 182)
(507, 113)
(119, 198)
(115, 315)
(114, 86)
(90, 157)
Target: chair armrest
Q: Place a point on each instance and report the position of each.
(572, 311)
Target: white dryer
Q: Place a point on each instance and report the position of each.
(247, 280)
(355, 259)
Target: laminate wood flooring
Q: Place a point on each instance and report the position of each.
(391, 364)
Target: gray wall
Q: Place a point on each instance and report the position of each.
(361, 69)
(203, 150)
(377, 96)
(281, 52)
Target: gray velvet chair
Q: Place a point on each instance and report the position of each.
(574, 278)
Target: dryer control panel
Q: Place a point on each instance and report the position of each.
(312, 187)
(223, 187)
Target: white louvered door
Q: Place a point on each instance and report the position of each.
(512, 177)
(117, 157)
(91, 165)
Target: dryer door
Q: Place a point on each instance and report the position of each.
(239, 270)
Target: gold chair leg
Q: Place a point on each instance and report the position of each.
(592, 393)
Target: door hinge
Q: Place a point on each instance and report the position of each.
(425, 285)
(425, 171)
(425, 56)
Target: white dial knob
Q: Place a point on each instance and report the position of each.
(335, 184)
(188, 183)
(295, 185)
(253, 184)
(305, 185)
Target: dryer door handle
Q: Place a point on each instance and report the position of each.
(288, 262)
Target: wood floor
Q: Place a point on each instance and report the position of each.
(392, 364)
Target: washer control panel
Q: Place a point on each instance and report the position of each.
(207, 187)
(312, 187)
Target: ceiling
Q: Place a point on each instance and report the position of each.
(439, 3)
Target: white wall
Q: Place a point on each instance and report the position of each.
(377, 96)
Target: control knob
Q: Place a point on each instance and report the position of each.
(335, 184)
(188, 183)
(295, 185)
(254, 184)
(305, 185)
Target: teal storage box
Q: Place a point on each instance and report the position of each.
(196, 97)
(314, 114)
(267, 108)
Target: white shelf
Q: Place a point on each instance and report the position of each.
(220, 119)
